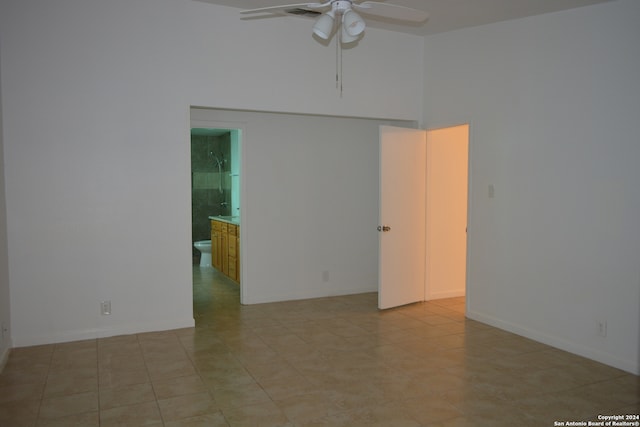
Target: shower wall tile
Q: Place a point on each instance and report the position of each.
(206, 181)
(209, 181)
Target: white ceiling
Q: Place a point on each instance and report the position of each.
(444, 15)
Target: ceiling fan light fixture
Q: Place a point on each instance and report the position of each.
(324, 26)
(353, 23)
(345, 37)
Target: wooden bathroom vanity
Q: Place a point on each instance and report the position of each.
(225, 245)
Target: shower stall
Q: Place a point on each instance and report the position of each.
(211, 179)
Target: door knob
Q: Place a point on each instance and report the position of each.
(384, 228)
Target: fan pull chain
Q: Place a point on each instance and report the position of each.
(339, 65)
(341, 79)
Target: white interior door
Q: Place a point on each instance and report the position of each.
(402, 247)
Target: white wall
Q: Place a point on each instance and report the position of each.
(554, 104)
(96, 98)
(5, 308)
(276, 65)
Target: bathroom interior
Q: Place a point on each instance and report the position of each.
(215, 187)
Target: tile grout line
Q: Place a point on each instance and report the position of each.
(44, 387)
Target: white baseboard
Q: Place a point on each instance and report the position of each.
(308, 294)
(85, 334)
(631, 366)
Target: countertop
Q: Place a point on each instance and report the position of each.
(235, 220)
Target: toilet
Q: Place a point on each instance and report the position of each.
(204, 246)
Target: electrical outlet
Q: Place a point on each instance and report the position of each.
(602, 328)
(325, 276)
(105, 307)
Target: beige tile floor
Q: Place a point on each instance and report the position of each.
(324, 362)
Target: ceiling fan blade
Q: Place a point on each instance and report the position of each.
(275, 9)
(391, 11)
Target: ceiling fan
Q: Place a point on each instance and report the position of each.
(343, 17)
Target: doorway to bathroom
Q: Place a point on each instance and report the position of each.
(215, 215)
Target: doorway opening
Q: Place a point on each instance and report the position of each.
(423, 205)
(215, 221)
(447, 211)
